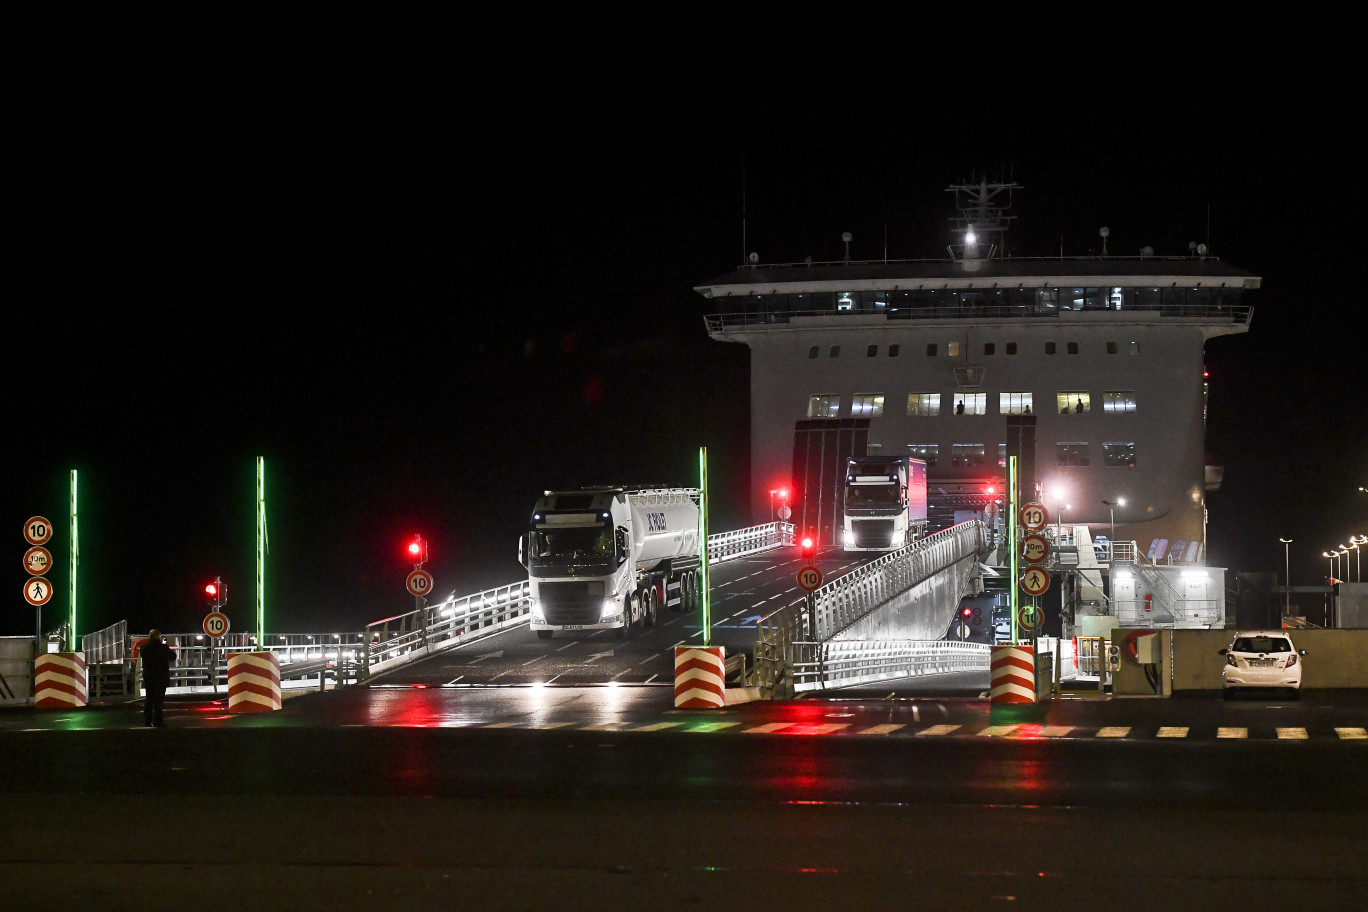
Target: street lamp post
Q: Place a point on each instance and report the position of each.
(1287, 576)
(1112, 505)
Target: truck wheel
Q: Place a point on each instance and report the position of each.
(545, 634)
(685, 592)
(648, 615)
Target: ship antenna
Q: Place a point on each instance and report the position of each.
(743, 207)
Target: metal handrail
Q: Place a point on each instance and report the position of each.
(1208, 313)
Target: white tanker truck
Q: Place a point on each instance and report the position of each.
(606, 558)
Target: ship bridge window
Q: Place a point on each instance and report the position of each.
(867, 405)
(1111, 346)
(1073, 348)
(1014, 403)
(989, 348)
(1119, 454)
(813, 351)
(824, 406)
(967, 455)
(971, 404)
(926, 405)
(1011, 348)
(1073, 402)
(927, 452)
(893, 350)
(834, 351)
(1117, 401)
(1071, 453)
(931, 349)
(872, 351)
(1049, 348)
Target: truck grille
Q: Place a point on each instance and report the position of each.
(572, 602)
(876, 533)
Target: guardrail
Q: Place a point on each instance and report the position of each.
(846, 599)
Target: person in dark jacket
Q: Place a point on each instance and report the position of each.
(157, 659)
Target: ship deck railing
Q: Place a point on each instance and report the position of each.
(1192, 313)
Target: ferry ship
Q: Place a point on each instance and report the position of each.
(1091, 368)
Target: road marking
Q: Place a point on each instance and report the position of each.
(1056, 731)
(501, 725)
(766, 728)
(530, 661)
(568, 646)
(1292, 734)
(1113, 731)
(1224, 732)
(712, 726)
(937, 730)
(453, 680)
(1351, 734)
(824, 728)
(880, 729)
(546, 726)
(998, 731)
(604, 726)
(657, 726)
(1172, 731)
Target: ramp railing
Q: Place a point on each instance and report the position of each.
(844, 600)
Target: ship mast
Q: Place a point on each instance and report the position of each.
(982, 223)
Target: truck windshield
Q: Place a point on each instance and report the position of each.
(582, 545)
(872, 495)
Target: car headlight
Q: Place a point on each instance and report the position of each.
(536, 608)
(610, 610)
(849, 539)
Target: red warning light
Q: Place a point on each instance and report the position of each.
(414, 548)
(966, 611)
(210, 590)
(990, 489)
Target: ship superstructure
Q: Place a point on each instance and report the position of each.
(1101, 356)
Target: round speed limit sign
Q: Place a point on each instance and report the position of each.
(216, 624)
(419, 582)
(809, 578)
(1034, 517)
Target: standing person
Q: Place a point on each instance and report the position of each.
(157, 659)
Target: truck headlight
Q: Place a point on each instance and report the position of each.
(536, 608)
(610, 610)
(850, 538)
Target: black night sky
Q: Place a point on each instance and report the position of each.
(425, 287)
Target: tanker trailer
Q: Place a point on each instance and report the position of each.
(605, 558)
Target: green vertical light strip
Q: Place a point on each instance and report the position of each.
(1012, 538)
(261, 545)
(703, 523)
(75, 560)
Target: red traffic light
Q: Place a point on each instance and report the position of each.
(415, 548)
(211, 590)
(808, 543)
(990, 489)
(966, 611)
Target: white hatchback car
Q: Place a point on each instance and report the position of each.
(1262, 658)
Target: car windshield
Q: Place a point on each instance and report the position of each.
(1262, 644)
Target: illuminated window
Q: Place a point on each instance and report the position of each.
(1014, 403)
(952, 349)
(966, 455)
(1118, 401)
(927, 452)
(971, 403)
(873, 449)
(926, 405)
(1118, 454)
(1135, 348)
(824, 406)
(867, 405)
(1071, 454)
(1073, 402)
(1002, 455)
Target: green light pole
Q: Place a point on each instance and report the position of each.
(262, 544)
(703, 527)
(75, 560)
(1012, 540)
